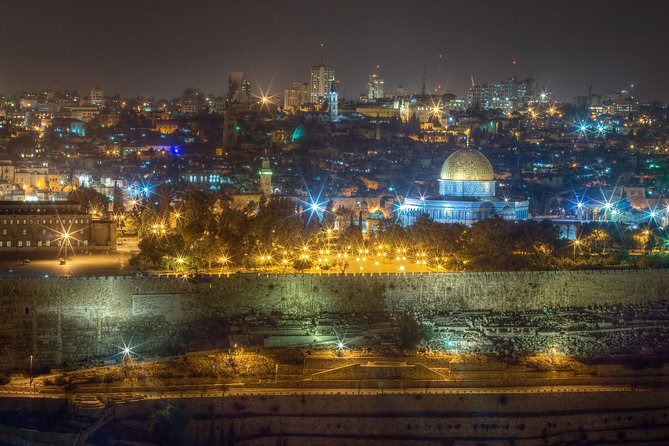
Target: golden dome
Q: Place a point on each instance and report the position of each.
(467, 165)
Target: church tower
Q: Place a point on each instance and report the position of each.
(333, 100)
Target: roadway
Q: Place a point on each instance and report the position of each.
(130, 394)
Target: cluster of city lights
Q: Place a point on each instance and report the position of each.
(365, 258)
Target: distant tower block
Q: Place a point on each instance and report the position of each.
(265, 174)
(319, 81)
(97, 96)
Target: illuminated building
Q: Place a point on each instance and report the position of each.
(44, 225)
(97, 96)
(320, 80)
(295, 97)
(84, 113)
(507, 95)
(466, 194)
(375, 87)
(166, 126)
(239, 89)
(192, 101)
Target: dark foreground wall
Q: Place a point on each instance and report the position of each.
(70, 319)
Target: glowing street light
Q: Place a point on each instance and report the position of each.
(127, 351)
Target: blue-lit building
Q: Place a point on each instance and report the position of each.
(466, 194)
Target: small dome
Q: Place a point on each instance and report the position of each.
(467, 165)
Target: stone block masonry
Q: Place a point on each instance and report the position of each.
(73, 319)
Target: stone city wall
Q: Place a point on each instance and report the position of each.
(61, 319)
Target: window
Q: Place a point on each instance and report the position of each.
(43, 231)
(24, 221)
(48, 243)
(20, 243)
(28, 243)
(24, 232)
(44, 221)
(1, 243)
(9, 243)
(4, 232)
(39, 242)
(76, 221)
(50, 221)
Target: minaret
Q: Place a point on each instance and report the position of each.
(333, 99)
(423, 89)
(265, 174)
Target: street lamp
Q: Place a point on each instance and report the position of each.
(66, 239)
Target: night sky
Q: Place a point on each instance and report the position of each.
(159, 47)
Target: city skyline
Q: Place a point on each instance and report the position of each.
(159, 49)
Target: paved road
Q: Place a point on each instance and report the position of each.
(250, 391)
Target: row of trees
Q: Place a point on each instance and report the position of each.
(207, 231)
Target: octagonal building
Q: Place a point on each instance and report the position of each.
(466, 194)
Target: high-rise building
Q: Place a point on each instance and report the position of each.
(193, 101)
(320, 81)
(239, 89)
(97, 96)
(375, 87)
(295, 96)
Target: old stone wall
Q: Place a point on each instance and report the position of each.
(72, 319)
